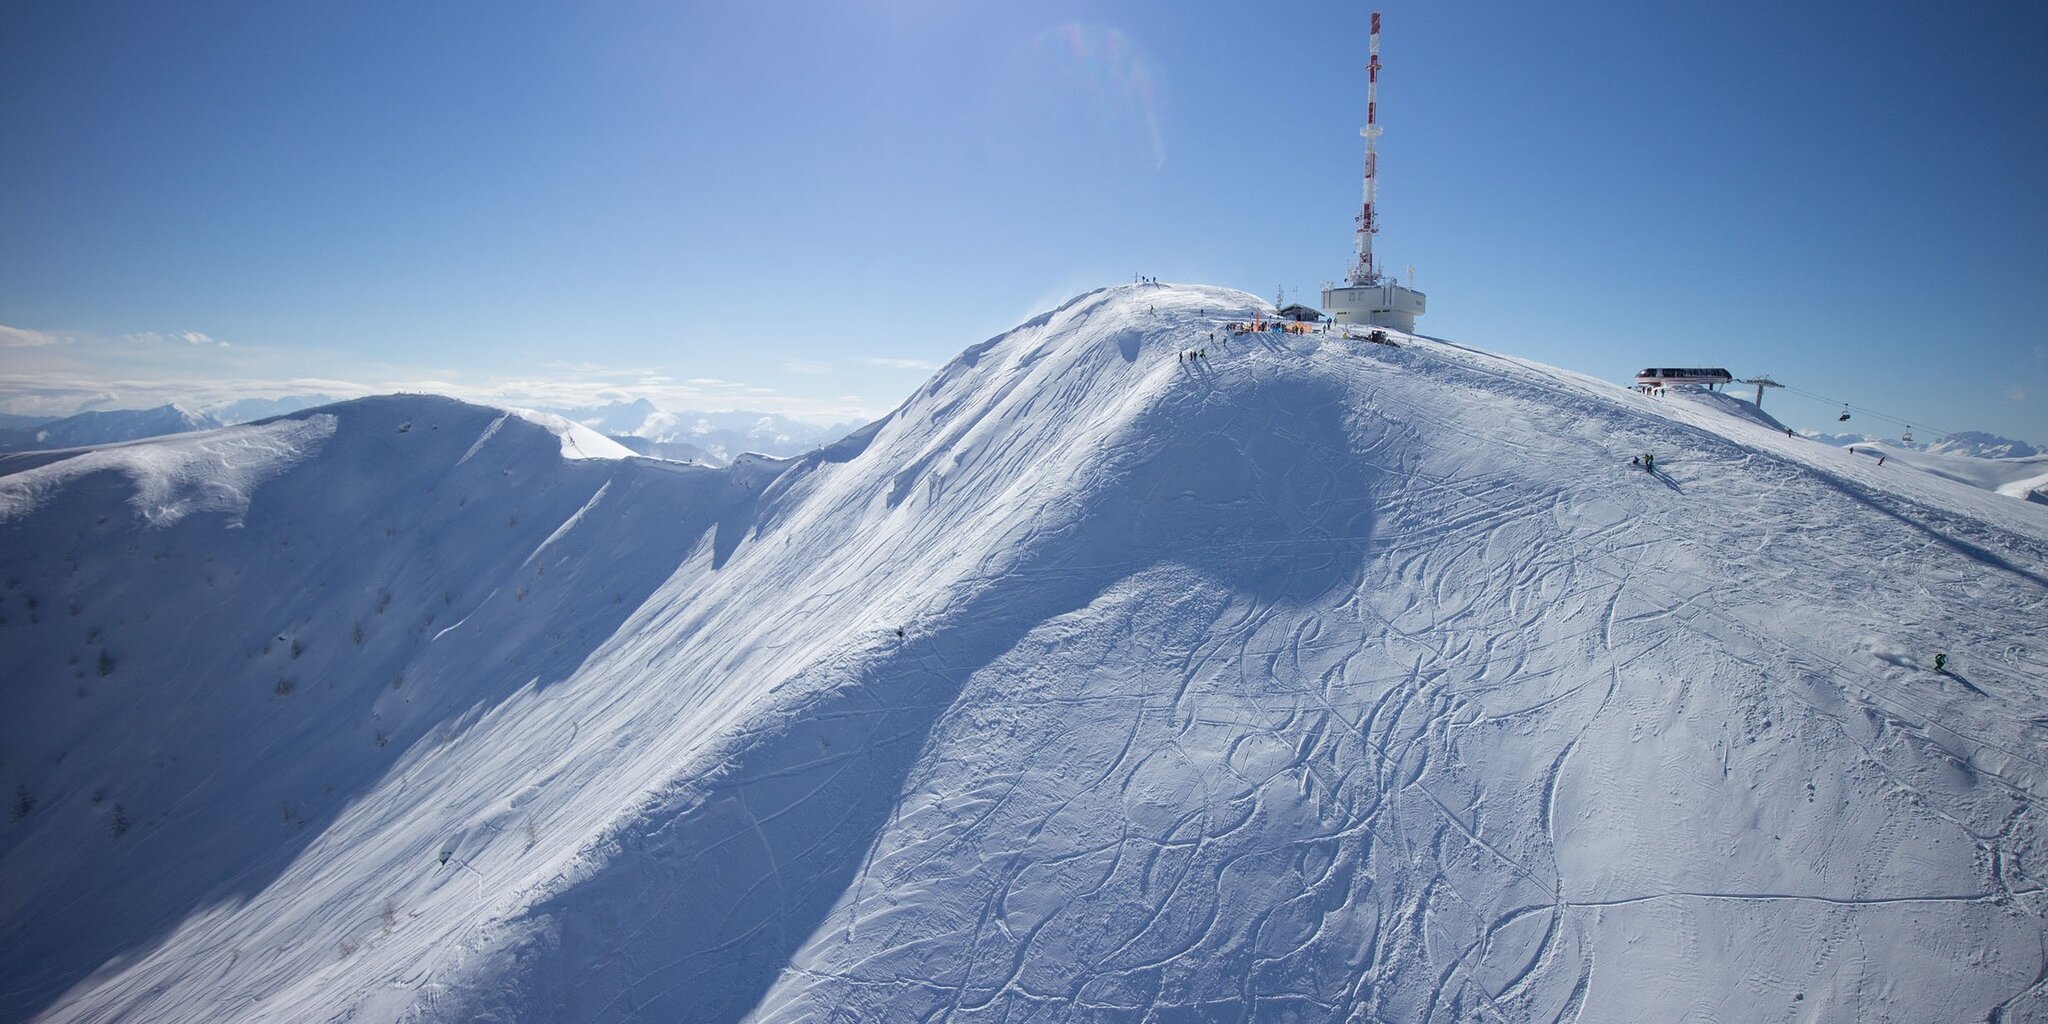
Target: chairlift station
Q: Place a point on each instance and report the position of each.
(1367, 296)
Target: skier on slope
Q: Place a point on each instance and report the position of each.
(1649, 462)
(1940, 662)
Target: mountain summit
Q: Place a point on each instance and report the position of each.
(1132, 669)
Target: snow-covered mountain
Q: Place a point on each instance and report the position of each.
(246, 410)
(1981, 445)
(105, 427)
(2018, 477)
(1975, 444)
(613, 418)
(716, 437)
(1310, 680)
(675, 451)
(1999, 464)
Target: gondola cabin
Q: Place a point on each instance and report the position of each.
(1658, 378)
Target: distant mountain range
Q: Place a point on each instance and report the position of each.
(713, 438)
(249, 410)
(1976, 444)
(91, 428)
(708, 438)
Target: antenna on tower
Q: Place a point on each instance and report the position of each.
(1367, 296)
(1365, 271)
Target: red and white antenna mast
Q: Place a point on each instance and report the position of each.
(1365, 272)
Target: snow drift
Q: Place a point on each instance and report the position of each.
(1309, 679)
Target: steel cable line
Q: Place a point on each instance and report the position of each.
(1873, 413)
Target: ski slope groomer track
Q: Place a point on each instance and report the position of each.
(1305, 679)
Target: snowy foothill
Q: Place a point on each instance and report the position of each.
(212, 471)
(1133, 669)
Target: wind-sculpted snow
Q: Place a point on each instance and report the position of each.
(1310, 679)
(208, 472)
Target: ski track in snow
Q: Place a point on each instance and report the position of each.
(1314, 680)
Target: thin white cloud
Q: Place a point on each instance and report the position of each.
(897, 364)
(49, 373)
(192, 338)
(806, 367)
(2015, 393)
(22, 337)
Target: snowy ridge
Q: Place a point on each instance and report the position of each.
(578, 441)
(1313, 679)
(104, 427)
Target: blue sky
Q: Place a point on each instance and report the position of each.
(804, 207)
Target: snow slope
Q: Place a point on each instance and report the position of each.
(2015, 477)
(1313, 680)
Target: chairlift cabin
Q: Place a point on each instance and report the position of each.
(1657, 378)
